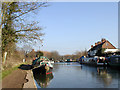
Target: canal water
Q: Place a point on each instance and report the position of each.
(74, 75)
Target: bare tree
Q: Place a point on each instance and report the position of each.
(15, 27)
(55, 55)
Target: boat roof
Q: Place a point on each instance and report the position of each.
(43, 57)
(115, 56)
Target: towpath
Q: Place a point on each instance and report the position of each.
(15, 80)
(20, 78)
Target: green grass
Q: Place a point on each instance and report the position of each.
(10, 70)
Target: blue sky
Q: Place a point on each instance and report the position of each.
(75, 26)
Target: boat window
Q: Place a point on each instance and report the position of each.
(115, 59)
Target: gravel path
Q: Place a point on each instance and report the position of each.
(19, 79)
(15, 80)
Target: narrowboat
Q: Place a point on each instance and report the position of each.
(51, 61)
(114, 61)
(69, 60)
(42, 66)
(95, 61)
(43, 80)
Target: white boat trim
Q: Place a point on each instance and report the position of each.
(101, 63)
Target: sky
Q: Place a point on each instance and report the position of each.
(75, 26)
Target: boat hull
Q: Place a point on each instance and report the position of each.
(43, 70)
(114, 65)
(43, 80)
(94, 63)
(114, 61)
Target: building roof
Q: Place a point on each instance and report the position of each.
(111, 44)
(97, 46)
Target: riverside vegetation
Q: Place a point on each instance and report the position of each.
(16, 30)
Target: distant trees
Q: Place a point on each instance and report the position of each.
(39, 53)
(32, 55)
(73, 56)
(67, 56)
(81, 53)
(55, 55)
(47, 54)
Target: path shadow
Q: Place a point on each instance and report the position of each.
(25, 67)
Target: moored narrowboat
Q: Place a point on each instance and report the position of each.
(95, 61)
(42, 65)
(114, 61)
(69, 60)
(43, 80)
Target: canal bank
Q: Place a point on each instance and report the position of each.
(30, 80)
(14, 80)
(19, 79)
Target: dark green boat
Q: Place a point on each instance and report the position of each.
(43, 80)
(114, 61)
(42, 65)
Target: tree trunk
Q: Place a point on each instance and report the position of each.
(1, 68)
(4, 57)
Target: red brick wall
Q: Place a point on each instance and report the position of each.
(108, 45)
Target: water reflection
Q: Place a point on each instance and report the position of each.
(74, 75)
(103, 76)
(43, 80)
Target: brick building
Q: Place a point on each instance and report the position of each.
(100, 47)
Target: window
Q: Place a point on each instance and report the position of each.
(106, 44)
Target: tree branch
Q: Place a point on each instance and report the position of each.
(28, 30)
(31, 9)
(22, 13)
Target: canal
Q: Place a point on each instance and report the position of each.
(74, 75)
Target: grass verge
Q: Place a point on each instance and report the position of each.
(8, 71)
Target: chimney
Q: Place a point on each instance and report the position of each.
(32, 50)
(91, 46)
(98, 42)
(103, 40)
(95, 44)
